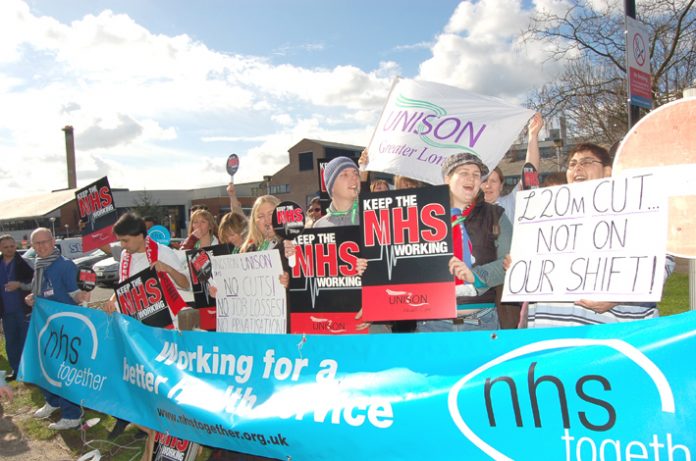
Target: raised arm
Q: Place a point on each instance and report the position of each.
(534, 126)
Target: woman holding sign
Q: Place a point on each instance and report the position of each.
(261, 234)
(481, 236)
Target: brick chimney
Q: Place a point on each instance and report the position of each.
(70, 156)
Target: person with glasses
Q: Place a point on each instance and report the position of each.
(586, 162)
(314, 212)
(55, 278)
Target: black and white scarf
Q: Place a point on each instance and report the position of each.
(40, 264)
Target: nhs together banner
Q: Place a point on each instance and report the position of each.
(621, 392)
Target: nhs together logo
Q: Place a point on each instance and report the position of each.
(522, 406)
(63, 351)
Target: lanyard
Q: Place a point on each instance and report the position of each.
(353, 212)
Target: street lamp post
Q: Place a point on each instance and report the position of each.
(67, 231)
(53, 224)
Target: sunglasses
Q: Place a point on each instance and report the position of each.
(315, 210)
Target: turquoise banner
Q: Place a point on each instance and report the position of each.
(620, 392)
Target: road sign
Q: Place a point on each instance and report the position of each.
(638, 63)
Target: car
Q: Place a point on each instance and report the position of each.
(90, 259)
(107, 272)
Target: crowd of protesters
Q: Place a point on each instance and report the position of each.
(482, 229)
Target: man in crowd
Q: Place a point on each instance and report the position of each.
(15, 283)
(55, 278)
(342, 181)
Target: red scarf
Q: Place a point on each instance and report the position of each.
(171, 295)
(458, 238)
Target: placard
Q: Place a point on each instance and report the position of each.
(250, 298)
(141, 297)
(325, 288)
(424, 122)
(407, 240)
(98, 214)
(201, 269)
(601, 240)
(168, 448)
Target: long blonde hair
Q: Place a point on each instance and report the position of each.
(255, 236)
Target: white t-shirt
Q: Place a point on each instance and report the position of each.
(139, 262)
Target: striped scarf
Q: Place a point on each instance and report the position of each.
(40, 265)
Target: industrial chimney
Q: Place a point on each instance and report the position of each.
(70, 156)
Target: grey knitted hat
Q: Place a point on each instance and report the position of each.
(333, 169)
(464, 158)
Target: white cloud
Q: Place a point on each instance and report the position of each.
(151, 110)
(132, 95)
(282, 119)
(481, 49)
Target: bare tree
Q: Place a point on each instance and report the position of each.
(589, 37)
(147, 205)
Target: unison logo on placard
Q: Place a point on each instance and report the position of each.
(63, 351)
(580, 416)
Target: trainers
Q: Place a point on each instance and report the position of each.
(45, 411)
(63, 424)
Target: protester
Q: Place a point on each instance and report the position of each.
(493, 184)
(587, 162)
(261, 234)
(404, 182)
(379, 185)
(260, 237)
(141, 252)
(314, 212)
(149, 221)
(55, 278)
(233, 229)
(202, 231)
(15, 282)
(342, 181)
(481, 236)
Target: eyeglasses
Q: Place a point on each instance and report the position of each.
(315, 210)
(584, 162)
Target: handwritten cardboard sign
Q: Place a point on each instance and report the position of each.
(250, 298)
(602, 240)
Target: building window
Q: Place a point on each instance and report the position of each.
(331, 153)
(306, 161)
(280, 189)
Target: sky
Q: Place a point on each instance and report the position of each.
(161, 92)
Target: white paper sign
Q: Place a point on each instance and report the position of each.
(602, 240)
(250, 298)
(424, 122)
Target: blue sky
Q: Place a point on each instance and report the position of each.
(303, 32)
(160, 92)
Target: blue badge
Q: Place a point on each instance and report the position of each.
(160, 234)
